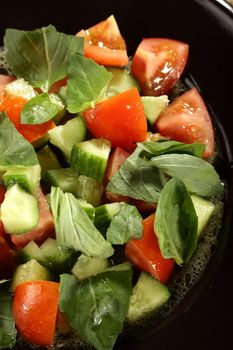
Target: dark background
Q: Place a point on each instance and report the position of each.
(208, 28)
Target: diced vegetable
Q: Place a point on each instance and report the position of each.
(35, 306)
(65, 178)
(87, 266)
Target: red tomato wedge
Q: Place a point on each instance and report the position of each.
(120, 119)
(187, 120)
(104, 43)
(4, 80)
(145, 253)
(13, 106)
(8, 258)
(158, 63)
(44, 229)
(35, 306)
(2, 193)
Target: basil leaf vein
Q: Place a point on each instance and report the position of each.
(74, 228)
(97, 306)
(176, 222)
(87, 81)
(126, 224)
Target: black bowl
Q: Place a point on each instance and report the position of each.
(202, 318)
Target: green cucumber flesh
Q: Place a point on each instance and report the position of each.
(65, 136)
(31, 271)
(26, 177)
(121, 81)
(89, 209)
(154, 106)
(32, 251)
(19, 211)
(90, 189)
(65, 178)
(90, 157)
(87, 266)
(204, 210)
(47, 159)
(104, 215)
(149, 295)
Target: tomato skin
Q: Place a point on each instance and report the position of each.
(187, 120)
(35, 306)
(145, 253)
(104, 44)
(8, 257)
(2, 193)
(120, 119)
(44, 229)
(13, 106)
(158, 63)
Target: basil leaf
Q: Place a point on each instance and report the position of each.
(137, 178)
(156, 148)
(74, 228)
(14, 149)
(38, 110)
(86, 83)
(40, 56)
(7, 324)
(97, 306)
(176, 222)
(126, 224)
(198, 175)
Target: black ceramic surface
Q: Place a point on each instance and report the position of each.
(208, 28)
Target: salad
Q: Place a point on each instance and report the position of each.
(106, 185)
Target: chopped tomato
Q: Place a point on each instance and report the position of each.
(13, 106)
(187, 120)
(2, 193)
(44, 229)
(145, 253)
(8, 258)
(120, 119)
(4, 80)
(158, 63)
(56, 86)
(116, 159)
(104, 43)
(35, 306)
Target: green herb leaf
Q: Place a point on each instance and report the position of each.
(38, 110)
(7, 324)
(14, 149)
(198, 175)
(156, 148)
(176, 222)
(126, 224)
(97, 306)
(40, 56)
(74, 228)
(86, 83)
(137, 178)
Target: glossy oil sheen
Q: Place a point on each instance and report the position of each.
(208, 28)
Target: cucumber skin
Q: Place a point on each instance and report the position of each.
(104, 215)
(91, 165)
(65, 178)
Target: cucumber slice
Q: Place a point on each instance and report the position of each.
(19, 211)
(65, 178)
(153, 106)
(149, 295)
(32, 251)
(121, 267)
(90, 157)
(65, 136)
(31, 271)
(90, 189)
(26, 177)
(121, 81)
(87, 266)
(89, 209)
(61, 108)
(41, 142)
(104, 215)
(204, 210)
(47, 160)
(60, 259)
(20, 87)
